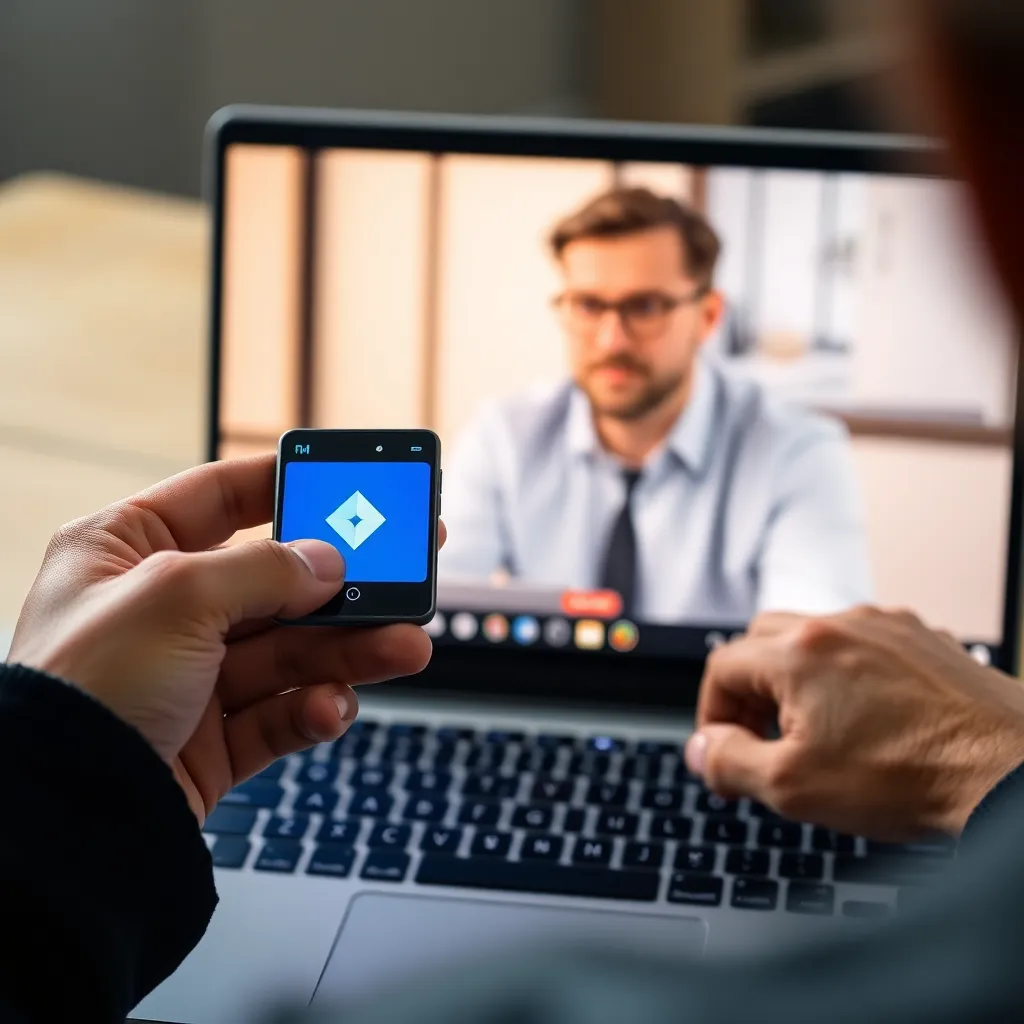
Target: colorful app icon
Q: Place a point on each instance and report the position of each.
(589, 635)
(464, 626)
(623, 636)
(496, 628)
(557, 632)
(525, 630)
(436, 626)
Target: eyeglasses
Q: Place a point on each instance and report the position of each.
(644, 315)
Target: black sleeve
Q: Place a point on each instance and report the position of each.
(105, 881)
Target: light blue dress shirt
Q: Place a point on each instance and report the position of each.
(748, 505)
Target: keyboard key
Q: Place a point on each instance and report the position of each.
(537, 819)
(317, 773)
(555, 791)
(554, 741)
(655, 748)
(372, 803)
(702, 890)
(536, 761)
(866, 910)
(491, 844)
(485, 758)
(385, 866)
(228, 820)
(385, 835)
(405, 750)
(754, 893)
(725, 830)
(293, 826)
(362, 727)
(425, 808)
(747, 862)
(443, 756)
(541, 848)
(345, 832)
(643, 855)
(828, 841)
(608, 794)
(575, 820)
(712, 803)
(885, 870)
(696, 858)
(331, 859)
(537, 876)
(662, 798)
(454, 734)
(230, 851)
(605, 744)
(765, 813)
(504, 736)
(352, 748)
(440, 840)
(667, 826)
(280, 855)
(810, 898)
(647, 769)
(273, 771)
(407, 729)
(592, 851)
(804, 866)
(379, 777)
(494, 787)
(589, 763)
(616, 823)
(784, 834)
(254, 793)
(322, 799)
(428, 782)
(480, 812)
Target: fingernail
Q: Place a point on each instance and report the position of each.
(322, 560)
(344, 709)
(696, 751)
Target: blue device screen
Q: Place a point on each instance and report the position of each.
(377, 514)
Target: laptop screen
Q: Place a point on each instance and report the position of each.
(670, 395)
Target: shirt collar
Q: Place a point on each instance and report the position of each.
(689, 440)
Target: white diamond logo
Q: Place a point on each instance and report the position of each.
(355, 520)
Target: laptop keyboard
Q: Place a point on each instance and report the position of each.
(598, 817)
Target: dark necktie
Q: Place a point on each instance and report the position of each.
(619, 571)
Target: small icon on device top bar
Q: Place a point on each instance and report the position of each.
(416, 448)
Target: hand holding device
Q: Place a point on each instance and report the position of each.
(138, 606)
(375, 496)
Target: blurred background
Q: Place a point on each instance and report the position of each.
(120, 90)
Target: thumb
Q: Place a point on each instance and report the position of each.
(732, 760)
(262, 579)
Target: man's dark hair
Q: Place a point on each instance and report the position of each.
(625, 211)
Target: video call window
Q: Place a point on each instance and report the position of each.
(853, 335)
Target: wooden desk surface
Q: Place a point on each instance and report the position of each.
(102, 355)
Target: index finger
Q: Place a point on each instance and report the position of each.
(208, 505)
(741, 684)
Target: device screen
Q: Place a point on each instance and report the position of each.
(373, 495)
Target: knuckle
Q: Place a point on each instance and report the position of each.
(274, 553)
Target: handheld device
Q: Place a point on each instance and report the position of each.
(374, 495)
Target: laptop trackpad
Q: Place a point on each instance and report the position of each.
(384, 936)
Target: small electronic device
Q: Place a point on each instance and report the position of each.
(374, 495)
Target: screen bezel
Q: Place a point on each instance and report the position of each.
(570, 676)
(364, 601)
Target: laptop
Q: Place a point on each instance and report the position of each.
(375, 270)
